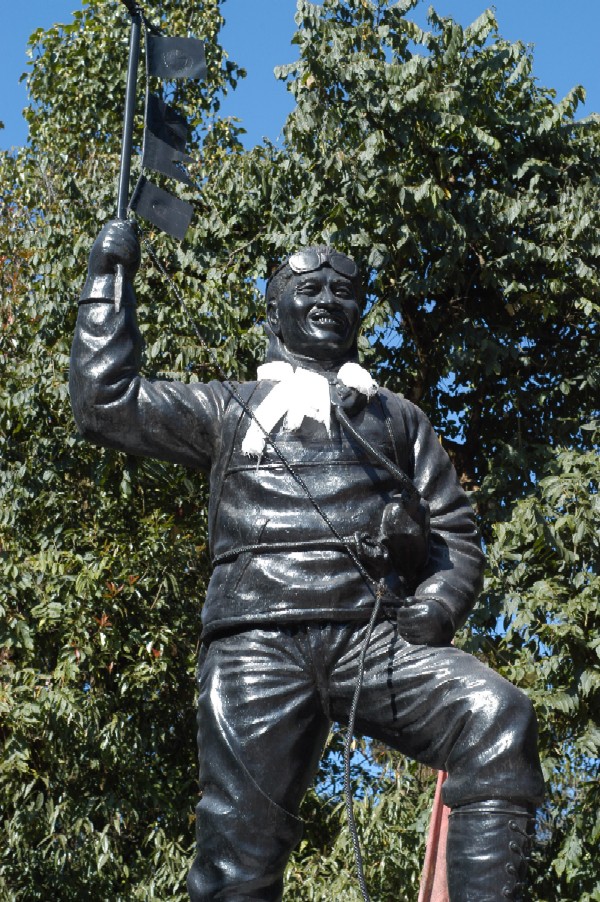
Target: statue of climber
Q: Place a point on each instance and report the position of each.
(328, 494)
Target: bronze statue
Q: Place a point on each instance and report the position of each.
(309, 528)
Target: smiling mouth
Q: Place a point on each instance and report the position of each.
(327, 319)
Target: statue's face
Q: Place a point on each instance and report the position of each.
(317, 314)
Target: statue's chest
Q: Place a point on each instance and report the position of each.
(312, 441)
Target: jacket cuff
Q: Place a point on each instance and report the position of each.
(446, 607)
(105, 288)
(456, 604)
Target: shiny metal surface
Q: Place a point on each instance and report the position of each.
(284, 628)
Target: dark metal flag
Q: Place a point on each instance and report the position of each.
(166, 122)
(176, 57)
(168, 213)
(163, 157)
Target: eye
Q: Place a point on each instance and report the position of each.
(308, 286)
(343, 290)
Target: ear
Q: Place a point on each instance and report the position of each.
(273, 318)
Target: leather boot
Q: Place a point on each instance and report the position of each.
(487, 851)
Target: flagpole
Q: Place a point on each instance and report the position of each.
(130, 97)
(127, 142)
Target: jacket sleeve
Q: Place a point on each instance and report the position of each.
(114, 406)
(454, 571)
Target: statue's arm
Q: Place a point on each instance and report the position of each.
(449, 582)
(454, 571)
(113, 405)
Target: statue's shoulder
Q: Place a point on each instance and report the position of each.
(395, 402)
(220, 396)
(399, 400)
(388, 393)
(235, 395)
(400, 408)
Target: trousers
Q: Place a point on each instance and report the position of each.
(267, 698)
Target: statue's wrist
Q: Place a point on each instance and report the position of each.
(440, 605)
(447, 610)
(106, 288)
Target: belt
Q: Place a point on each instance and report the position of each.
(369, 550)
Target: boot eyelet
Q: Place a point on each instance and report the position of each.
(514, 846)
(511, 869)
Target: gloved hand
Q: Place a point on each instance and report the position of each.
(425, 622)
(405, 533)
(116, 244)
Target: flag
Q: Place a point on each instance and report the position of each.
(163, 157)
(166, 122)
(166, 212)
(175, 57)
(165, 134)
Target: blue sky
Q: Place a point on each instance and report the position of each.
(258, 32)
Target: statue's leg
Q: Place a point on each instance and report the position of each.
(261, 731)
(487, 850)
(446, 709)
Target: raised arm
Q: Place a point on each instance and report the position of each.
(112, 404)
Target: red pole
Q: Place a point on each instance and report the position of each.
(434, 885)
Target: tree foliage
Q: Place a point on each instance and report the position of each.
(470, 195)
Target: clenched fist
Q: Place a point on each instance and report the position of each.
(425, 622)
(116, 244)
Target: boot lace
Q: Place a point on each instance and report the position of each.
(522, 848)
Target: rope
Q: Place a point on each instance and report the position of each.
(358, 859)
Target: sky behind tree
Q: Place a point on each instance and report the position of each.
(257, 36)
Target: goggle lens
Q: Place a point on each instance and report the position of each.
(312, 259)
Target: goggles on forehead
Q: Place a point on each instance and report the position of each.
(313, 258)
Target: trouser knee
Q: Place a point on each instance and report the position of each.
(495, 755)
(244, 843)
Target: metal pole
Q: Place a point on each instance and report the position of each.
(130, 92)
(127, 143)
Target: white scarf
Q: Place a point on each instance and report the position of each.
(298, 393)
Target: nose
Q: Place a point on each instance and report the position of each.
(327, 298)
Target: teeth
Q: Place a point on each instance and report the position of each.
(326, 319)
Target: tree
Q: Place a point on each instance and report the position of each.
(102, 562)
(471, 197)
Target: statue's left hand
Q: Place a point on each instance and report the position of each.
(425, 622)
